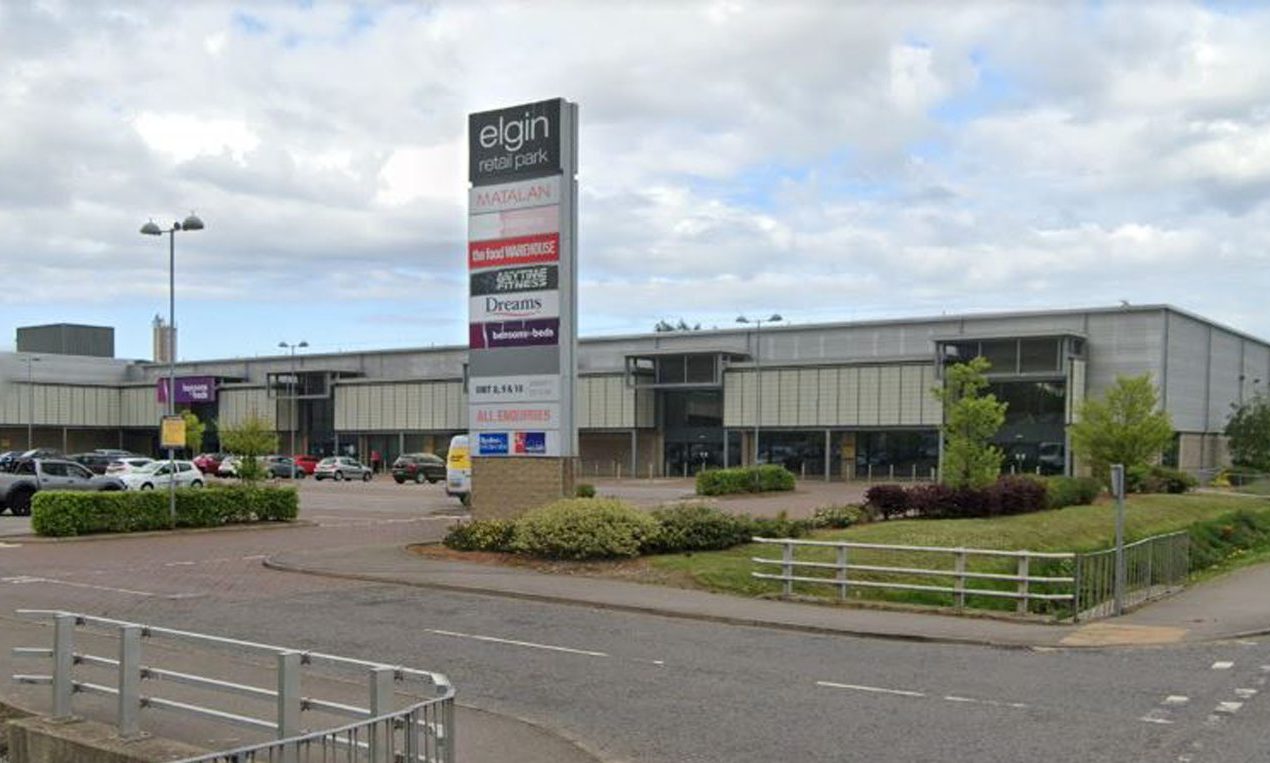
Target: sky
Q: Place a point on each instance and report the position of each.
(827, 161)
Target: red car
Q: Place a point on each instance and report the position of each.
(307, 463)
(208, 463)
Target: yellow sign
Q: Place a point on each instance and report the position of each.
(172, 432)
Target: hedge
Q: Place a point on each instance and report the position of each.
(1010, 494)
(693, 527)
(744, 479)
(62, 513)
(583, 528)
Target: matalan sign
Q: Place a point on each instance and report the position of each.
(522, 293)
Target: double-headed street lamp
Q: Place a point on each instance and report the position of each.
(150, 229)
(291, 383)
(758, 369)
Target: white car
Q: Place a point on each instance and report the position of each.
(121, 466)
(155, 475)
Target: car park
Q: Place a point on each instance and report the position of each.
(418, 468)
(283, 467)
(96, 462)
(156, 474)
(208, 463)
(122, 466)
(228, 467)
(341, 468)
(458, 469)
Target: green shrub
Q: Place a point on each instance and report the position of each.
(779, 527)
(1157, 479)
(695, 527)
(1217, 539)
(481, 535)
(64, 513)
(584, 490)
(1071, 491)
(839, 517)
(583, 528)
(744, 479)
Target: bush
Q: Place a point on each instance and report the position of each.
(779, 527)
(1217, 539)
(1157, 479)
(481, 535)
(583, 528)
(744, 479)
(932, 500)
(584, 490)
(64, 513)
(1017, 494)
(694, 527)
(887, 500)
(839, 517)
(1071, 491)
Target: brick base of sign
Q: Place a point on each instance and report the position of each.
(505, 488)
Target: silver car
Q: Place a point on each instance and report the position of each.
(342, 468)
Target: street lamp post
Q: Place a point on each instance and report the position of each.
(190, 223)
(31, 360)
(758, 370)
(292, 386)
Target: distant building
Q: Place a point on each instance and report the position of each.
(67, 339)
(164, 341)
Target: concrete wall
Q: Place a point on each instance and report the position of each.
(40, 740)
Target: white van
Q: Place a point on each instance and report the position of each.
(458, 469)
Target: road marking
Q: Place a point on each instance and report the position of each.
(180, 564)
(513, 642)
(1154, 717)
(10, 545)
(345, 522)
(1245, 693)
(992, 702)
(1229, 708)
(1223, 665)
(874, 689)
(1176, 699)
(131, 592)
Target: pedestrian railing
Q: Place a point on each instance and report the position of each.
(1059, 584)
(423, 730)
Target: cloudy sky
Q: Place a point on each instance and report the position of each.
(824, 160)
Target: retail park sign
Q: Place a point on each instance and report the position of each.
(522, 297)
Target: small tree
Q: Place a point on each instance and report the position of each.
(1249, 433)
(1123, 428)
(971, 419)
(194, 431)
(249, 440)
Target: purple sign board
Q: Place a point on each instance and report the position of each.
(496, 334)
(189, 389)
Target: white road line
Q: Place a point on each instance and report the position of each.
(131, 592)
(1176, 699)
(1228, 707)
(1245, 693)
(512, 642)
(10, 545)
(180, 564)
(992, 702)
(1223, 665)
(1149, 718)
(874, 689)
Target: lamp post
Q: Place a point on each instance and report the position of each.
(291, 385)
(150, 229)
(758, 370)
(30, 360)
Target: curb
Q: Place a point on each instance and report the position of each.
(240, 527)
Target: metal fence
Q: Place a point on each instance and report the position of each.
(1058, 584)
(423, 730)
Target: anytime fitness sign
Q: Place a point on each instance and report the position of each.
(522, 300)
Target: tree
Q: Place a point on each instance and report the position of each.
(194, 431)
(249, 440)
(1123, 428)
(664, 326)
(971, 419)
(1249, 433)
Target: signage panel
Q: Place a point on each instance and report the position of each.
(512, 361)
(511, 307)
(508, 252)
(518, 443)
(514, 143)
(513, 224)
(513, 389)
(172, 432)
(189, 389)
(510, 280)
(506, 416)
(539, 192)
(491, 336)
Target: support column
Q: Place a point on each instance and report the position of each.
(634, 452)
(828, 455)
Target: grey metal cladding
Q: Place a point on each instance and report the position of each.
(1223, 377)
(1187, 372)
(1129, 343)
(507, 361)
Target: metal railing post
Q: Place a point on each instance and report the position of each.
(787, 567)
(288, 702)
(1076, 565)
(842, 572)
(381, 686)
(63, 664)
(1020, 606)
(959, 583)
(128, 715)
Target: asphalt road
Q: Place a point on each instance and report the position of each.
(647, 688)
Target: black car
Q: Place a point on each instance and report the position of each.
(418, 467)
(96, 461)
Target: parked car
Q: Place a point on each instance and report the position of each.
(156, 474)
(342, 468)
(307, 463)
(31, 475)
(283, 467)
(208, 463)
(417, 467)
(96, 462)
(7, 458)
(42, 453)
(122, 466)
(228, 467)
